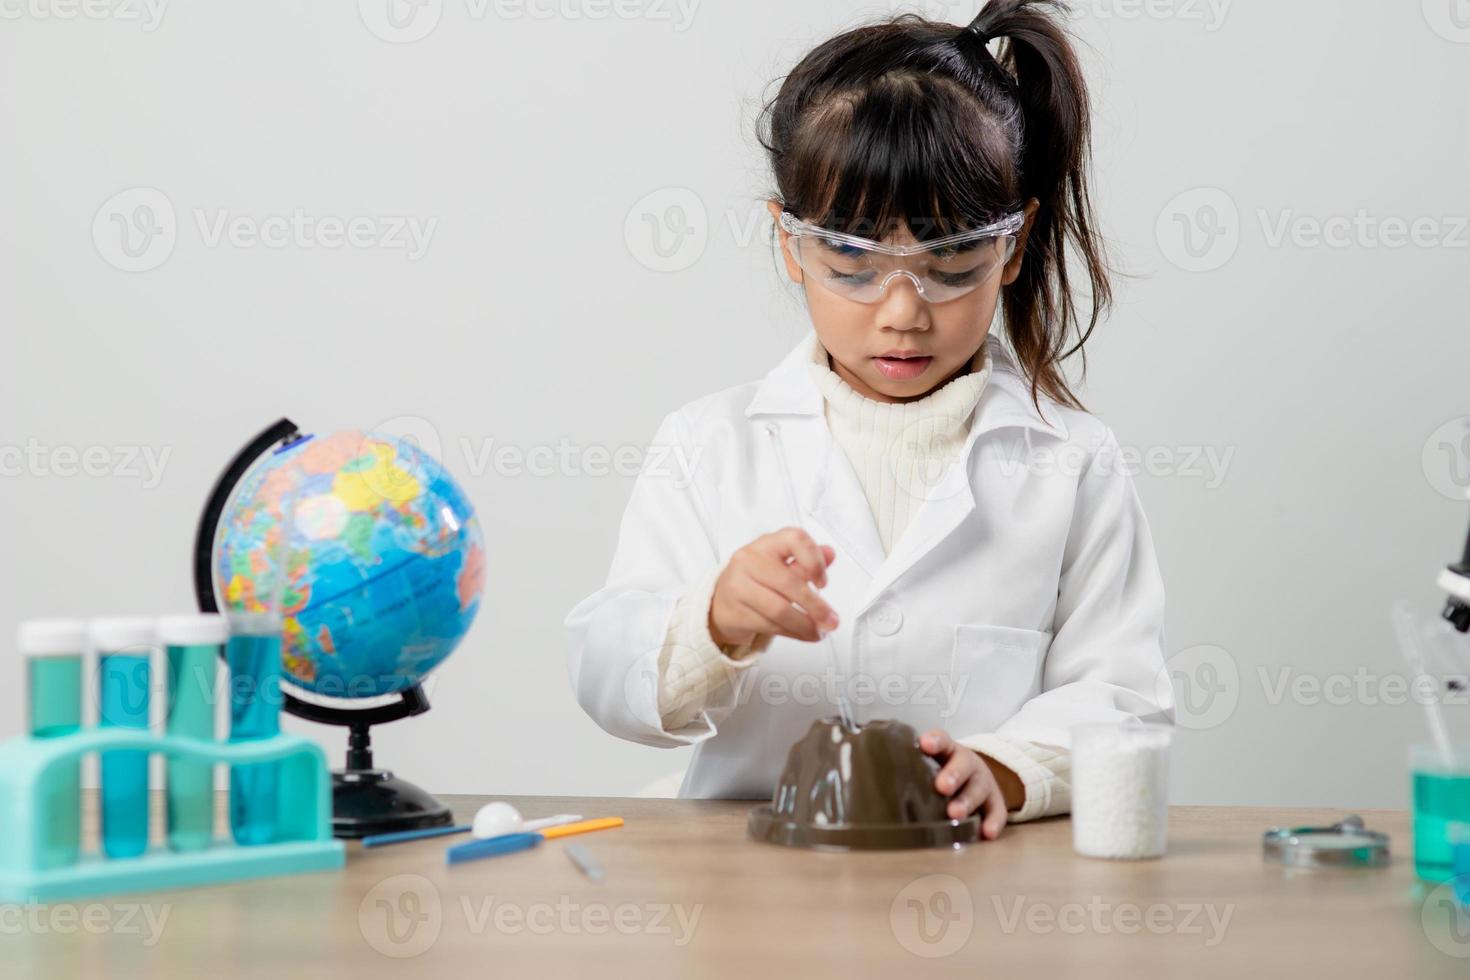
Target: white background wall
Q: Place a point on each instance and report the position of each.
(545, 147)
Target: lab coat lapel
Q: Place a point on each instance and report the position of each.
(1005, 403)
(838, 502)
(826, 486)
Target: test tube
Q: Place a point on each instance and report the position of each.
(53, 649)
(124, 646)
(192, 647)
(254, 657)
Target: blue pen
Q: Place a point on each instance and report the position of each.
(491, 846)
(404, 836)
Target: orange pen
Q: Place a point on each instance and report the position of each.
(582, 827)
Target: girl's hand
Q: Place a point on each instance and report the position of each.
(966, 779)
(755, 593)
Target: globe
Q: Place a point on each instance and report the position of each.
(368, 551)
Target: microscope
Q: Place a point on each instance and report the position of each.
(1455, 580)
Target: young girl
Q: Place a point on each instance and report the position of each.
(965, 531)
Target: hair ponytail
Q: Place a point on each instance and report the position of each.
(1050, 93)
(917, 119)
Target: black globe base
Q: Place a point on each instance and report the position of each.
(374, 801)
(367, 801)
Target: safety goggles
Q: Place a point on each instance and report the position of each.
(941, 269)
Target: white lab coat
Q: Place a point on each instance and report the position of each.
(1023, 598)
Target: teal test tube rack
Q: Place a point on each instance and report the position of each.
(303, 840)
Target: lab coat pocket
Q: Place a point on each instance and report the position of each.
(994, 671)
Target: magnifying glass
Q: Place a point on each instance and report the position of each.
(1345, 844)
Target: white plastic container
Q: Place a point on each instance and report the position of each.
(1120, 790)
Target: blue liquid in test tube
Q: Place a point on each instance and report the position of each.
(192, 647)
(124, 647)
(53, 651)
(1460, 851)
(254, 657)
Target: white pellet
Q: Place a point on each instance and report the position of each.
(1120, 790)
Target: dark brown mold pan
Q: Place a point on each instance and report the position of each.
(869, 788)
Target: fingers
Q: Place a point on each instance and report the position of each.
(967, 781)
(956, 773)
(776, 608)
(809, 559)
(767, 589)
(981, 793)
(996, 814)
(936, 742)
(790, 585)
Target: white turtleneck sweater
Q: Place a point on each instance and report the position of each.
(898, 451)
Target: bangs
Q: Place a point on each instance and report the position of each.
(909, 149)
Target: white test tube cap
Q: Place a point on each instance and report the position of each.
(254, 623)
(117, 633)
(198, 629)
(51, 637)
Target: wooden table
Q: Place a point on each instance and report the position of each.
(687, 894)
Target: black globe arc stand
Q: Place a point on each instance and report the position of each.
(365, 800)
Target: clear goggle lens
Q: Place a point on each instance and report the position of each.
(862, 269)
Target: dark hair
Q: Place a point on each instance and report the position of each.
(915, 121)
